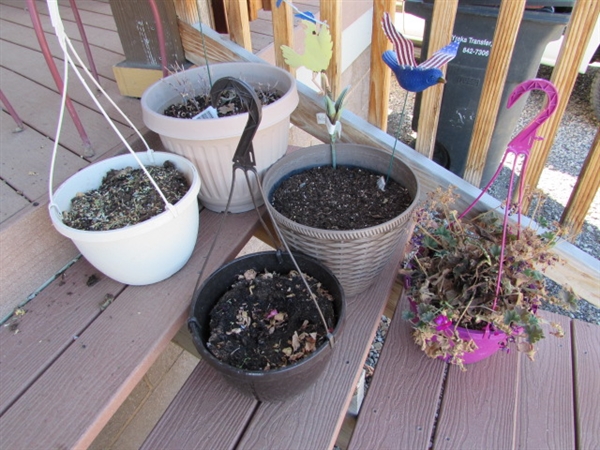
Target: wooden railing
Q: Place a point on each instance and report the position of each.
(578, 33)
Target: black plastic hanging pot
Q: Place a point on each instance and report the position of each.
(276, 384)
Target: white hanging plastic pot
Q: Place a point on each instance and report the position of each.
(140, 254)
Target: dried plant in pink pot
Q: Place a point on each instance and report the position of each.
(475, 283)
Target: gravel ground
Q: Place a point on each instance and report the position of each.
(572, 143)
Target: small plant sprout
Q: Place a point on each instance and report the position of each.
(183, 86)
(316, 58)
(410, 76)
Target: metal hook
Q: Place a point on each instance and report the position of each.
(523, 142)
(244, 154)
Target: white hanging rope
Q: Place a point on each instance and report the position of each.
(61, 116)
(67, 45)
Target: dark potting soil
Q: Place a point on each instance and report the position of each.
(268, 320)
(230, 104)
(126, 197)
(345, 198)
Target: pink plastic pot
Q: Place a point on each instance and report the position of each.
(487, 342)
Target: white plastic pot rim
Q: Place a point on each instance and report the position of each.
(116, 162)
(223, 127)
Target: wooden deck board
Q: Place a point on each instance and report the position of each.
(145, 317)
(545, 417)
(97, 36)
(223, 417)
(10, 202)
(97, 6)
(23, 38)
(400, 407)
(25, 160)
(44, 120)
(503, 402)
(96, 14)
(586, 361)
(32, 253)
(478, 408)
(322, 403)
(21, 60)
(51, 323)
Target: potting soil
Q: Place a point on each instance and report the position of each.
(268, 320)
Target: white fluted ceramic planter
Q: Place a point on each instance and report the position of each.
(211, 143)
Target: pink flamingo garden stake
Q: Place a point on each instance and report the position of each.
(520, 146)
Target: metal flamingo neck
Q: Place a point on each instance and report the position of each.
(523, 142)
(520, 146)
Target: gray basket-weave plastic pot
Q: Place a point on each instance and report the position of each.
(277, 384)
(356, 257)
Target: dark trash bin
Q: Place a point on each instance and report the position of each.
(474, 27)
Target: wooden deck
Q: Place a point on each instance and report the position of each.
(69, 363)
(504, 402)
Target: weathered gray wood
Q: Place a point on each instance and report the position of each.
(44, 120)
(324, 404)
(545, 416)
(586, 361)
(479, 405)
(32, 253)
(137, 30)
(10, 202)
(401, 403)
(209, 413)
(97, 37)
(71, 402)
(21, 60)
(26, 156)
(53, 321)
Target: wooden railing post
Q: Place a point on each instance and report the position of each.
(505, 36)
(584, 191)
(442, 25)
(331, 12)
(239, 23)
(579, 31)
(380, 77)
(283, 30)
(253, 7)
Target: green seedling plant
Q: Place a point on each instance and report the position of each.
(317, 55)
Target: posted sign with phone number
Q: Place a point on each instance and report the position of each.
(473, 46)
